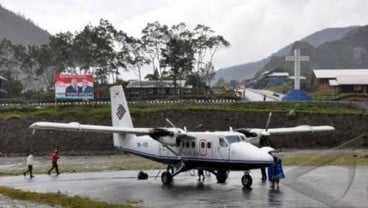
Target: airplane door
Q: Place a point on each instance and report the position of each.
(203, 147)
(223, 149)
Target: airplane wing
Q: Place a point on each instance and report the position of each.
(300, 129)
(75, 126)
(286, 130)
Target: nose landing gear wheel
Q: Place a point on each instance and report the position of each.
(166, 178)
(247, 180)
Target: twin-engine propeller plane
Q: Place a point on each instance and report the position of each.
(217, 152)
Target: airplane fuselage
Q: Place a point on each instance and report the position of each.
(225, 150)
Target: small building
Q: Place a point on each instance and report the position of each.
(277, 78)
(341, 80)
(160, 88)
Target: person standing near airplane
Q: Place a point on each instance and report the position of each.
(201, 176)
(29, 163)
(275, 172)
(54, 159)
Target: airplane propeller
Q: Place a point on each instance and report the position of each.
(265, 132)
(171, 123)
(264, 139)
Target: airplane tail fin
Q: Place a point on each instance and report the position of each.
(120, 114)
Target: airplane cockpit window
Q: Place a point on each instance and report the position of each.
(232, 139)
(222, 142)
(193, 144)
(242, 138)
(187, 144)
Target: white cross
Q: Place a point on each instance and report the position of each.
(297, 58)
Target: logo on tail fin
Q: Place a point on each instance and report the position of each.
(120, 111)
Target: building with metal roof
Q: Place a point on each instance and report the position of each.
(163, 87)
(341, 80)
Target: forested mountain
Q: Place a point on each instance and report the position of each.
(349, 52)
(19, 30)
(249, 70)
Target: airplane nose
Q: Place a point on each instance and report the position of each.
(267, 157)
(253, 153)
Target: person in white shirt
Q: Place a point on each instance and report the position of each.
(29, 163)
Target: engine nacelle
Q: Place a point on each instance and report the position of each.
(167, 136)
(168, 140)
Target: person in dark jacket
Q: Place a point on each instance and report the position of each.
(275, 172)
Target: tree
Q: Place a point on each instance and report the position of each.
(94, 47)
(220, 82)
(12, 86)
(63, 55)
(234, 83)
(179, 57)
(137, 57)
(155, 37)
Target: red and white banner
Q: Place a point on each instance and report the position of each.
(69, 86)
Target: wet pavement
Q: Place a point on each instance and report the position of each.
(330, 186)
(259, 95)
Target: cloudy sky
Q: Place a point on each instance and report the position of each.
(255, 28)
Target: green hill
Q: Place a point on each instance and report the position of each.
(249, 70)
(349, 52)
(20, 30)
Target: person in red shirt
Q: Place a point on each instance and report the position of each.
(54, 159)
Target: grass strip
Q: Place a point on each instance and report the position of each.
(56, 199)
(103, 111)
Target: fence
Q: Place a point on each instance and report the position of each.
(196, 101)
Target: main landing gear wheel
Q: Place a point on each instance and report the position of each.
(166, 178)
(247, 180)
(221, 176)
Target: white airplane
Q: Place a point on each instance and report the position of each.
(217, 152)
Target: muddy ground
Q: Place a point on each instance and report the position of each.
(17, 138)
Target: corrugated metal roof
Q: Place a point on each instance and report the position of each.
(352, 80)
(293, 77)
(153, 84)
(278, 74)
(333, 73)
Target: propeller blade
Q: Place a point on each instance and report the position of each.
(268, 121)
(171, 124)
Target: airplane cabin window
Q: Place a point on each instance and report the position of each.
(232, 139)
(203, 145)
(193, 144)
(187, 145)
(209, 145)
